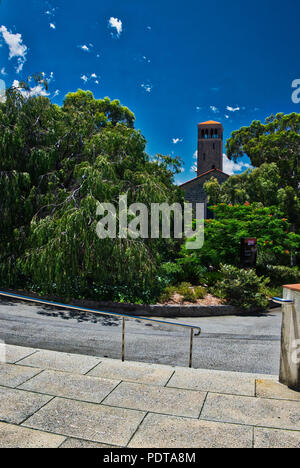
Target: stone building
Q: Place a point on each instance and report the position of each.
(209, 162)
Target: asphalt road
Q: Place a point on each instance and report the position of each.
(236, 343)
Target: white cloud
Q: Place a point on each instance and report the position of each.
(93, 76)
(35, 91)
(147, 87)
(175, 141)
(51, 12)
(16, 47)
(233, 109)
(85, 48)
(226, 116)
(3, 72)
(52, 26)
(231, 167)
(194, 168)
(195, 155)
(56, 93)
(214, 109)
(116, 24)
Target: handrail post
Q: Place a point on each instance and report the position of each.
(123, 339)
(191, 348)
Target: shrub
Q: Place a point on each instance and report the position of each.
(242, 289)
(186, 291)
(200, 292)
(280, 275)
(166, 295)
(171, 273)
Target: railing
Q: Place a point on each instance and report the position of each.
(124, 316)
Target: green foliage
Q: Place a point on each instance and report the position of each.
(171, 273)
(278, 140)
(186, 290)
(280, 274)
(231, 223)
(56, 163)
(243, 289)
(200, 292)
(167, 294)
(273, 149)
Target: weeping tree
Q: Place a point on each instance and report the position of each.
(56, 164)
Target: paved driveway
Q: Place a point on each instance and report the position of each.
(244, 344)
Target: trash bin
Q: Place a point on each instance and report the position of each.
(290, 337)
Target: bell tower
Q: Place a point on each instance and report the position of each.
(210, 146)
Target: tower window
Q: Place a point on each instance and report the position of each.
(204, 156)
(214, 146)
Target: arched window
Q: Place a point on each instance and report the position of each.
(204, 156)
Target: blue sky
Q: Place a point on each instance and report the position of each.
(173, 63)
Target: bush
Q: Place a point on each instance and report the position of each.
(186, 291)
(166, 295)
(171, 273)
(200, 292)
(281, 275)
(242, 289)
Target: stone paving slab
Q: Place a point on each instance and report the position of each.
(80, 443)
(152, 374)
(74, 386)
(157, 399)
(77, 363)
(159, 431)
(12, 436)
(14, 353)
(87, 421)
(270, 389)
(264, 412)
(13, 375)
(213, 381)
(274, 438)
(16, 405)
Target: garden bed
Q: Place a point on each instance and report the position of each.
(206, 307)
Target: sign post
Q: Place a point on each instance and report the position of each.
(248, 252)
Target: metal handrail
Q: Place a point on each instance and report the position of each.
(279, 300)
(100, 312)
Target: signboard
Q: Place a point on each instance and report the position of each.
(248, 252)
